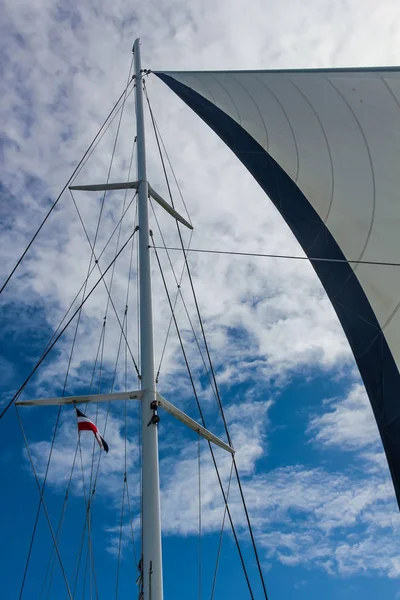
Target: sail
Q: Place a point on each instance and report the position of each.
(325, 146)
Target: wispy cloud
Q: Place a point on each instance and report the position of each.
(349, 425)
(309, 516)
(266, 321)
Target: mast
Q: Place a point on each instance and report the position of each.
(151, 532)
(151, 556)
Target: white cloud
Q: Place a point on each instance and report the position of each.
(343, 523)
(112, 465)
(350, 425)
(265, 319)
(278, 308)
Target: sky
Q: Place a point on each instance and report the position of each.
(313, 470)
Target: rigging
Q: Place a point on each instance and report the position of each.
(290, 257)
(75, 172)
(217, 394)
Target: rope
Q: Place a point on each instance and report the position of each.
(92, 489)
(99, 347)
(123, 208)
(92, 246)
(85, 576)
(59, 527)
(92, 573)
(92, 255)
(119, 347)
(61, 193)
(109, 170)
(52, 558)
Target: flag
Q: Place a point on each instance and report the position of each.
(85, 424)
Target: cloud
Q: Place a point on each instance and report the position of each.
(344, 523)
(349, 426)
(111, 467)
(278, 311)
(266, 320)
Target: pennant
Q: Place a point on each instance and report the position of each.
(85, 424)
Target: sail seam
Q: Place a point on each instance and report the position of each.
(370, 164)
(280, 105)
(258, 110)
(325, 218)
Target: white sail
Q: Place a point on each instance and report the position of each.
(325, 146)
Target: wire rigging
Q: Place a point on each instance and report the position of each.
(64, 387)
(44, 504)
(204, 424)
(158, 138)
(220, 537)
(45, 478)
(110, 300)
(93, 483)
(61, 193)
(199, 517)
(92, 247)
(219, 402)
(122, 503)
(51, 561)
(91, 271)
(69, 363)
(89, 507)
(116, 364)
(63, 329)
(73, 347)
(179, 293)
(284, 256)
(111, 121)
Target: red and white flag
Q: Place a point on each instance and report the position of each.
(85, 424)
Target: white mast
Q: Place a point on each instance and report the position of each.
(151, 533)
(151, 560)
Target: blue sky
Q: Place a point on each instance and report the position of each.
(314, 476)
